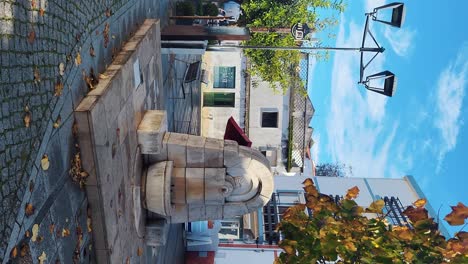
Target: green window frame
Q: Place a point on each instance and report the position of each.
(224, 77)
(218, 99)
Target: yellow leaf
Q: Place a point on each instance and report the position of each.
(58, 88)
(65, 232)
(420, 203)
(57, 122)
(88, 223)
(78, 59)
(408, 256)
(29, 209)
(14, 252)
(139, 251)
(42, 258)
(352, 193)
(350, 246)
(45, 162)
(27, 119)
(35, 231)
(61, 69)
(376, 206)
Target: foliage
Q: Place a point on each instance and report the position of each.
(333, 170)
(347, 233)
(186, 8)
(210, 9)
(274, 66)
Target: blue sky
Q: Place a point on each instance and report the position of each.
(421, 130)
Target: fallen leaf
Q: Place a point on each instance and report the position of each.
(65, 232)
(33, 3)
(31, 37)
(45, 162)
(88, 224)
(37, 75)
(61, 68)
(102, 76)
(52, 228)
(35, 230)
(127, 261)
(458, 215)
(27, 234)
(78, 59)
(108, 12)
(31, 186)
(58, 87)
(42, 258)
(420, 203)
(14, 252)
(41, 12)
(27, 119)
(57, 122)
(352, 193)
(29, 209)
(24, 250)
(139, 251)
(91, 51)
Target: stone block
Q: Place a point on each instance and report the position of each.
(214, 156)
(177, 149)
(179, 213)
(213, 212)
(214, 183)
(194, 189)
(156, 232)
(196, 151)
(233, 209)
(151, 131)
(178, 186)
(231, 153)
(162, 156)
(97, 217)
(196, 213)
(157, 192)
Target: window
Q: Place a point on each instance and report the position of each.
(218, 99)
(230, 229)
(269, 119)
(224, 77)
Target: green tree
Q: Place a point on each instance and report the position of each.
(278, 67)
(341, 232)
(333, 170)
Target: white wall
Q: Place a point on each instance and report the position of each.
(243, 256)
(214, 119)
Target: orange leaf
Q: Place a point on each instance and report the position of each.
(41, 12)
(139, 251)
(458, 215)
(27, 119)
(352, 193)
(308, 182)
(108, 12)
(29, 209)
(462, 235)
(14, 252)
(78, 59)
(51, 228)
(65, 232)
(403, 232)
(33, 3)
(27, 234)
(58, 88)
(420, 203)
(31, 37)
(416, 214)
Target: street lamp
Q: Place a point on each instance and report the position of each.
(389, 87)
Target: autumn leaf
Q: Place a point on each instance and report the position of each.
(108, 12)
(14, 252)
(65, 232)
(57, 122)
(37, 75)
(58, 88)
(462, 235)
(403, 232)
(27, 234)
(458, 215)
(42, 258)
(27, 118)
(416, 214)
(33, 4)
(41, 12)
(127, 261)
(139, 251)
(24, 250)
(61, 68)
(352, 193)
(35, 231)
(31, 37)
(78, 59)
(376, 207)
(350, 246)
(420, 203)
(88, 224)
(408, 256)
(45, 162)
(29, 209)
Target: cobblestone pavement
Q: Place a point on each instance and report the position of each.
(37, 98)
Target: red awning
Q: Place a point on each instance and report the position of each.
(234, 132)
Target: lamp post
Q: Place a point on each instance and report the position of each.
(389, 87)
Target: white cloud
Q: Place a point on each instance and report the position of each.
(369, 5)
(401, 40)
(450, 92)
(355, 124)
